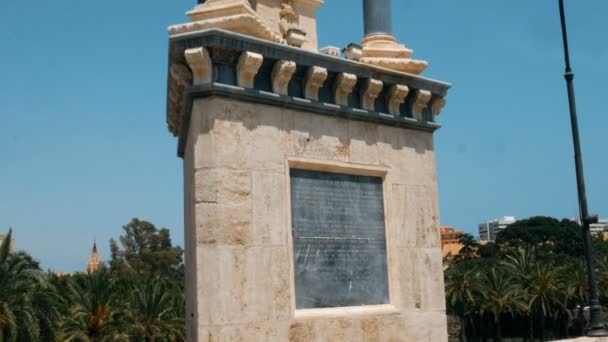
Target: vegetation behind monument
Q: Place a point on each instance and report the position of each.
(138, 297)
(531, 283)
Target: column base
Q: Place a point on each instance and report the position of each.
(384, 51)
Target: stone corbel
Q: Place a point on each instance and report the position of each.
(437, 105)
(343, 87)
(200, 63)
(282, 72)
(314, 80)
(248, 66)
(369, 93)
(396, 96)
(420, 102)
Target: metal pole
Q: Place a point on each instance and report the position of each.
(597, 326)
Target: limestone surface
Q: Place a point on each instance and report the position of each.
(239, 254)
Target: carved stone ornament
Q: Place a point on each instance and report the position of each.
(248, 66)
(282, 72)
(292, 32)
(181, 77)
(231, 15)
(369, 93)
(343, 87)
(314, 80)
(438, 105)
(200, 63)
(396, 96)
(421, 100)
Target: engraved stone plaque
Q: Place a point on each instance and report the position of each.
(339, 240)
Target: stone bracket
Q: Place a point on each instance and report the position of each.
(282, 72)
(314, 80)
(396, 97)
(420, 102)
(369, 93)
(437, 105)
(343, 87)
(200, 63)
(248, 66)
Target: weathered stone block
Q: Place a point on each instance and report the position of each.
(222, 186)
(319, 137)
(409, 154)
(219, 224)
(415, 216)
(363, 137)
(269, 208)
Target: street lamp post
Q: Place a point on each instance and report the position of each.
(597, 326)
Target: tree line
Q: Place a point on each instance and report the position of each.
(137, 296)
(531, 283)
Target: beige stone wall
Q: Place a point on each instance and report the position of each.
(239, 259)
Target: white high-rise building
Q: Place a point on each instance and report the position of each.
(599, 227)
(489, 230)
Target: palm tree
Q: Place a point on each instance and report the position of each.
(574, 278)
(460, 294)
(522, 262)
(154, 314)
(544, 294)
(499, 295)
(24, 297)
(93, 308)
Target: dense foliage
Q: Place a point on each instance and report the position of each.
(139, 296)
(531, 283)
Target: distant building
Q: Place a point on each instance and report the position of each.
(450, 241)
(599, 227)
(94, 262)
(489, 230)
(12, 243)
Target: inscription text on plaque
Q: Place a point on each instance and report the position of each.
(339, 240)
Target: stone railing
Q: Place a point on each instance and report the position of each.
(220, 63)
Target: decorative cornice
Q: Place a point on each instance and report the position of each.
(396, 97)
(314, 82)
(315, 77)
(248, 66)
(199, 62)
(282, 72)
(343, 87)
(369, 93)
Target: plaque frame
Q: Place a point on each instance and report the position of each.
(357, 170)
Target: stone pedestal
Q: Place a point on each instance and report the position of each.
(250, 111)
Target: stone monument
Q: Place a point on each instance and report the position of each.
(310, 189)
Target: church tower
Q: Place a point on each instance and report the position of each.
(94, 262)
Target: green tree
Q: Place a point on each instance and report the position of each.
(469, 247)
(27, 311)
(460, 283)
(94, 311)
(146, 251)
(549, 235)
(499, 295)
(155, 311)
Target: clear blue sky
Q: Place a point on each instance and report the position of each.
(84, 145)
